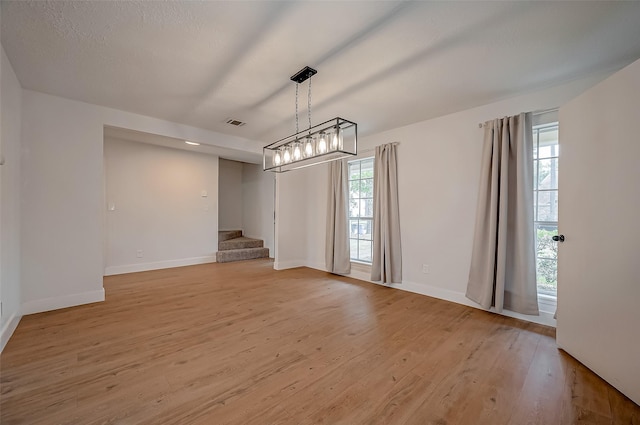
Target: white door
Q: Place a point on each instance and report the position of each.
(599, 261)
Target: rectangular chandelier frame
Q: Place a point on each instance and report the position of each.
(332, 140)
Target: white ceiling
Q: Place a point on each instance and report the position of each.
(382, 64)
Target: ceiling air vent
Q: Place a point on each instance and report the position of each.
(237, 123)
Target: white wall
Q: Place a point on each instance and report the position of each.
(10, 176)
(230, 193)
(317, 178)
(438, 172)
(63, 194)
(258, 191)
(598, 274)
(159, 207)
(291, 227)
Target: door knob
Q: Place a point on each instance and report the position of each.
(558, 238)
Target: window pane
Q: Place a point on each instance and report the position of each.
(547, 174)
(366, 208)
(367, 168)
(353, 228)
(366, 229)
(547, 151)
(548, 145)
(354, 170)
(366, 188)
(547, 205)
(546, 247)
(353, 208)
(354, 189)
(364, 249)
(353, 244)
(546, 273)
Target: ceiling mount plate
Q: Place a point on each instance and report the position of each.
(304, 74)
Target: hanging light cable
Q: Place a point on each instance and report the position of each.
(297, 151)
(308, 144)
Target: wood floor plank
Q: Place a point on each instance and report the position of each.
(241, 343)
(623, 410)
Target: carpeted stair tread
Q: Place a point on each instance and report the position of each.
(225, 235)
(241, 254)
(239, 243)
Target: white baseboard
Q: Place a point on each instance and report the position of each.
(544, 318)
(318, 266)
(8, 329)
(289, 264)
(157, 265)
(55, 303)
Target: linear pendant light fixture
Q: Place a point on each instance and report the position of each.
(332, 140)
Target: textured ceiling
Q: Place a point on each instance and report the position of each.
(381, 64)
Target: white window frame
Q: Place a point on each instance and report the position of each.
(547, 301)
(355, 258)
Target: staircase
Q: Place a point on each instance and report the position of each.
(232, 246)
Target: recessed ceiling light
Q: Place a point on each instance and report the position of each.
(192, 143)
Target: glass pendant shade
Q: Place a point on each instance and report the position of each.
(287, 155)
(322, 143)
(334, 140)
(308, 147)
(297, 152)
(277, 158)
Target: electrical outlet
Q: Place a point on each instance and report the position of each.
(139, 253)
(425, 268)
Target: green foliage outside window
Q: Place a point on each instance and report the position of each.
(363, 188)
(547, 253)
(360, 189)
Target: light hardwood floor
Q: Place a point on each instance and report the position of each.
(240, 343)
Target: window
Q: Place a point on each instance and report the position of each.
(361, 209)
(545, 201)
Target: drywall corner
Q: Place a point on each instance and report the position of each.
(10, 194)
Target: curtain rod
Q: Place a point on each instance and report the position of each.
(538, 112)
(544, 111)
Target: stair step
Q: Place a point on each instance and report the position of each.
(241, 254)
(225, 235)
(239, 243)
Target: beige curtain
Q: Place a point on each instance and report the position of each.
(387, 252)
(502, 272)
(337, 254)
